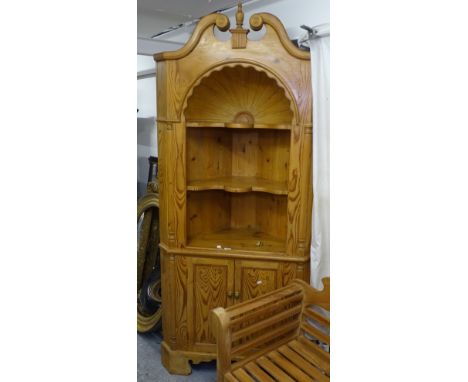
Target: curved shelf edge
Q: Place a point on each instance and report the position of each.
(269, 190)
(240, 185)
(235, 125)
(188, 250)
(234, 239)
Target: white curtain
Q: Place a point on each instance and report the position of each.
(320, 247)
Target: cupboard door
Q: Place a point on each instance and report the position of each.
(210, 285)
(254, 278)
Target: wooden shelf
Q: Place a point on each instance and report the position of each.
(240, 239)
(235, 125)
(240, 184)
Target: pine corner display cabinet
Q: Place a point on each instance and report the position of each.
(235, 141)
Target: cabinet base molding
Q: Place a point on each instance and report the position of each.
(178, 361)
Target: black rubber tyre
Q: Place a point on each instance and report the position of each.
(149, 302)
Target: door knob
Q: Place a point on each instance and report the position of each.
(229, 294)
(236, 295)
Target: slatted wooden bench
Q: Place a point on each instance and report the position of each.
(280, 336)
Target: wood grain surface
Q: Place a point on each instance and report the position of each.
(209, 281)
(234, 137)
(237, 94)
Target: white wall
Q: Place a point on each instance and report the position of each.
(292, 13)
(145, 63)
(146, 128)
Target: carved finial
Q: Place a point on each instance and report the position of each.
(239, 34)
(239, 15)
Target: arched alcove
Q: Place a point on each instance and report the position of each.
(239, 94)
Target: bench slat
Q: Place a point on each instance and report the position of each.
(252, 357)
(274, 370)
(312, 314)
(230, 378)
(276, 333)
(242, 376)
(265, 323)
(308, 328)
(258, 373)
(266, 309)
(288, 367)
(267, 298)
(310, 356)
(314, 347)
(307, 367)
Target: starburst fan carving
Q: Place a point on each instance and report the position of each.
(239, 94)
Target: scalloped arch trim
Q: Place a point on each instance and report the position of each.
(286, 94)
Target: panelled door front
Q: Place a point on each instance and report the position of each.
(254, 278)
(210, 285)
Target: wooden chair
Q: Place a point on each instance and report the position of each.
(280, 336)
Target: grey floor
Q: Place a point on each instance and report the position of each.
(150, 368)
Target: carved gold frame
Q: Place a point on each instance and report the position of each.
(148, 323)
